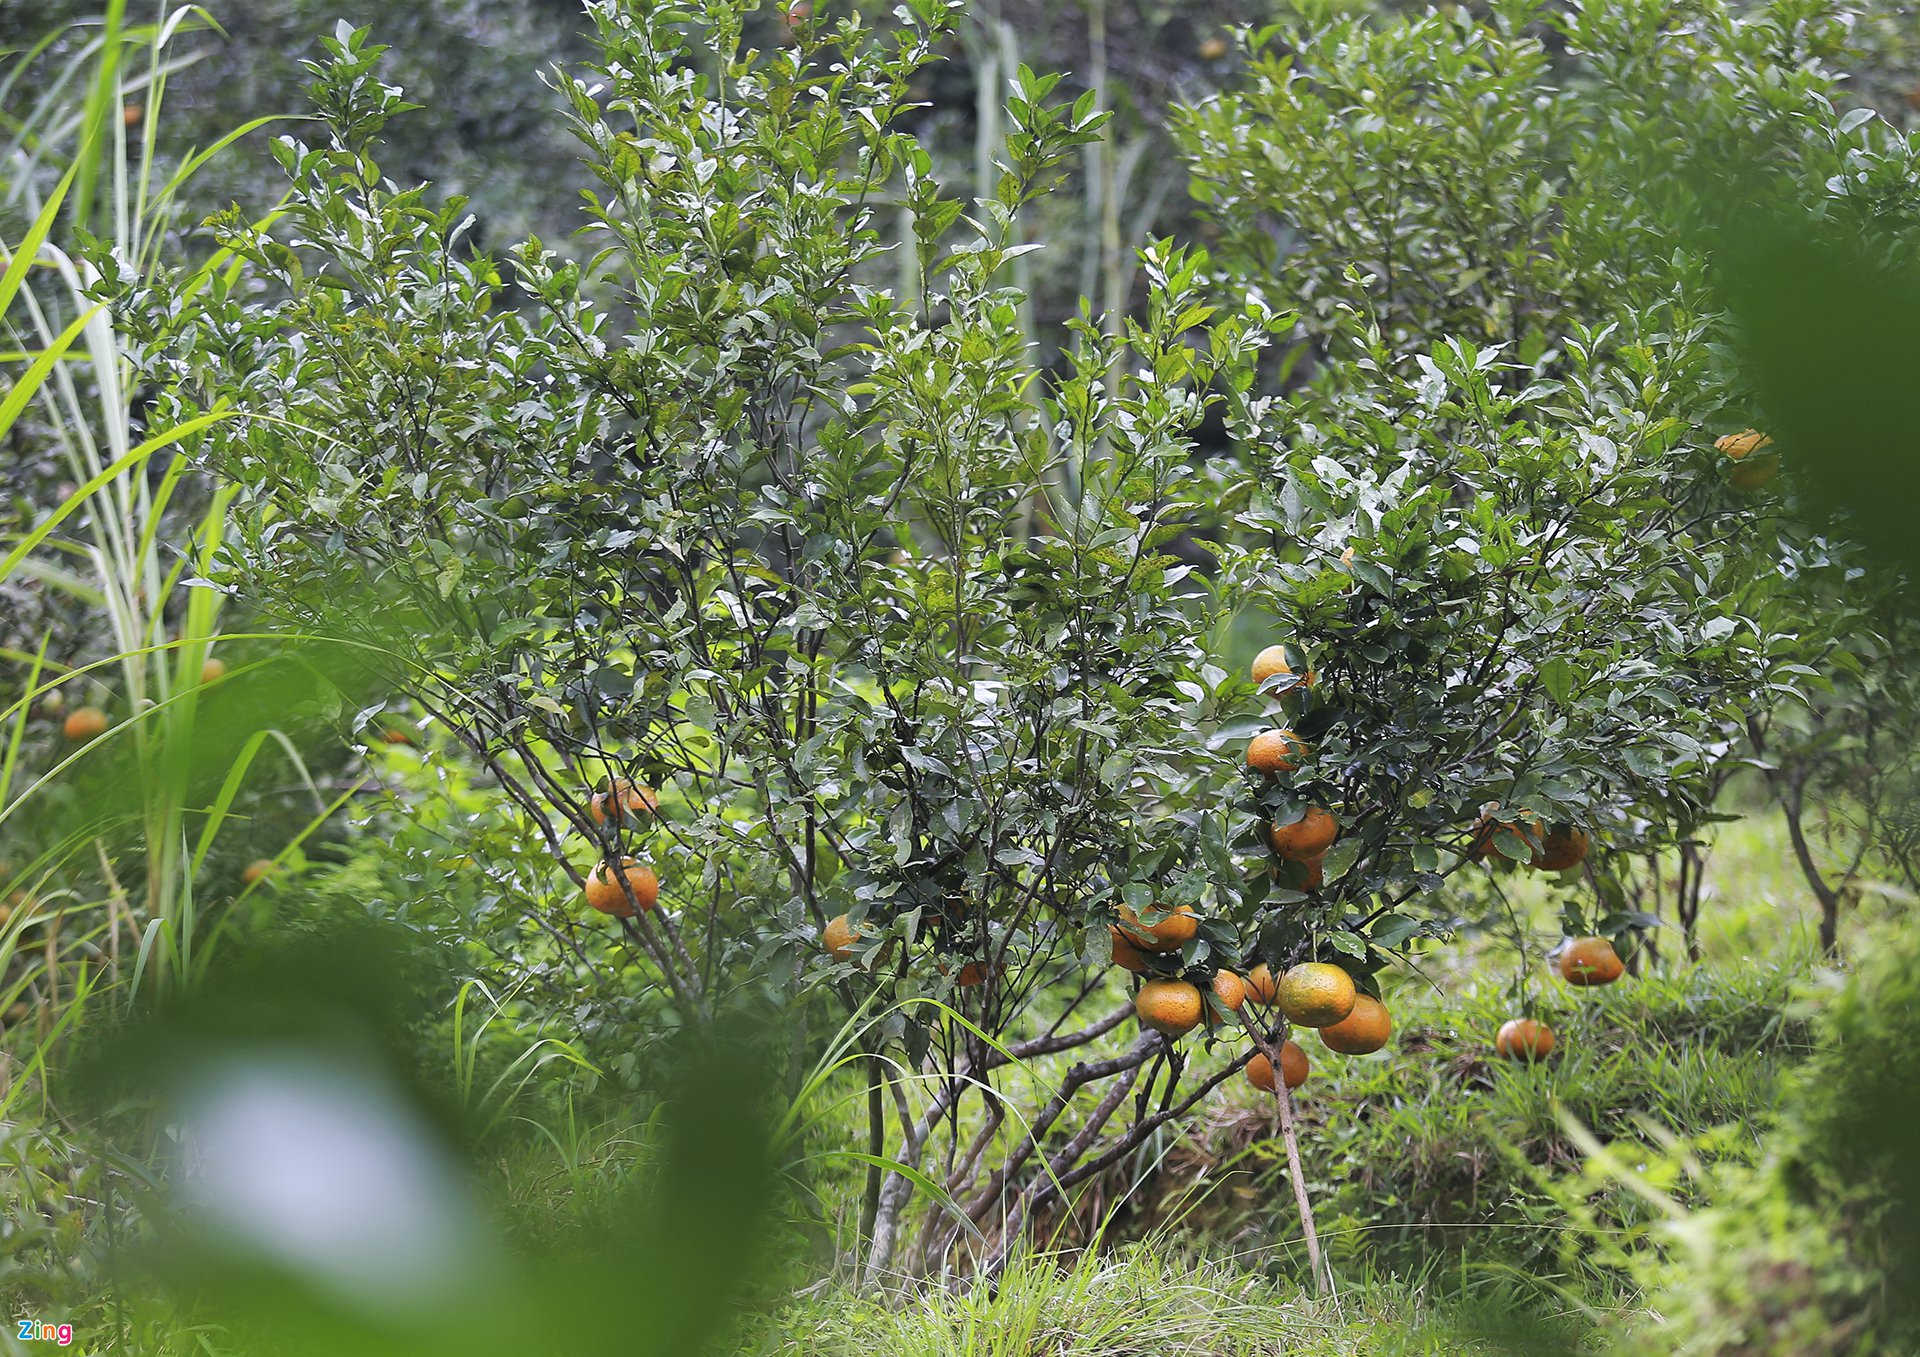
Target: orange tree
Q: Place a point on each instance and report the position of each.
(818, 641)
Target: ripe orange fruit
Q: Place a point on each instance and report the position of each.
(1363, 1031)
(1756, 473)
(838, 938)
(1591, 961)
(1738, 445)
(1294, 1068)
(1273, 663)
(632, 798)
(213, 670)
(259, 870)
(1274, 751)
(1524, 1039)
(1212, 49)
(1308, 837)
(1564, 846)
(1165, 936)
(1486, 838)
(1261, 984)
(605, 893)
(1125, 955)
(1306, 875)
(1316, 994)
(85, 723)
(1229, 989)
(1169, 1006)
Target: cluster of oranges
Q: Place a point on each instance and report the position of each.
(632, 887)
(1584, 961)
(1312, 994)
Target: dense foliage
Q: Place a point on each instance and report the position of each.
(739, 637)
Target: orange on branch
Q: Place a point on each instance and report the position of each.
(1165, 936)
(1316, 994)
(1563, 846)
(606, 894)
(1363, 1031)
(838, 938)
(1308, 837)
(1125, 955)
(1294, 1068)
(1172, 1007)
(1738, 445)
(631, 798)
(1261, 984)
(1274, 751)
(1229, 989)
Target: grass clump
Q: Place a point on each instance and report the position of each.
(1143, 1300)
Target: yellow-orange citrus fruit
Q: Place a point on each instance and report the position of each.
(1272, 663)
(1738, 445)
(605, 893)
(1316, 994)
(259, 870)
(1165, 936)
(1361, 1032)
(1308, 837)
(631, 797)
(1564, 846)
(1261, 985)
(1751, 475)
(1591, 961)
(1125, 955)
(1524, 1039)
(838, 938)
(1170, 1006)
(213, 670)
(1294, 1068)
(1274, 751)
(1229, 989)
(85, 723)
(1213, 48)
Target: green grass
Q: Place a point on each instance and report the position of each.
(1145, 1300)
